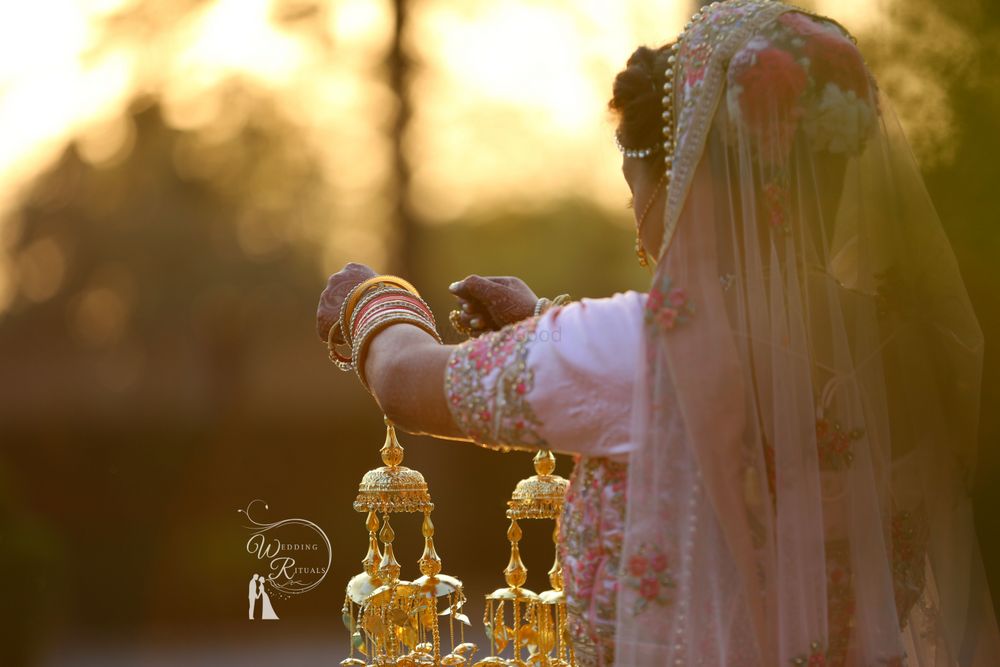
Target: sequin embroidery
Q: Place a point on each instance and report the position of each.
(487, 380)
(590, 546)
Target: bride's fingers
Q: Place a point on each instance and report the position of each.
(473, 309)
(467, 306)
(467, 319)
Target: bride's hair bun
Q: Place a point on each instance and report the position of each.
(637, 98)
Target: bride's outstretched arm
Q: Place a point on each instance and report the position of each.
(562, 380)
(404, 366)
(405, 371)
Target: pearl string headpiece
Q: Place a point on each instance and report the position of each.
(667, 115)
(667, 101)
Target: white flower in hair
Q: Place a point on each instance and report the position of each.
(838, 121)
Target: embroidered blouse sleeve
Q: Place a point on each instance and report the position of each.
(562, 381)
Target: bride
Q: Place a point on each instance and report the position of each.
(266, 610)
(775, 444)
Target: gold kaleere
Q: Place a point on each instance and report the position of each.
(538, 634)
(393, 621)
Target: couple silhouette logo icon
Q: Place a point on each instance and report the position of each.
(256, 592)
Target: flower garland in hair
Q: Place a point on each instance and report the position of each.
(801, 73)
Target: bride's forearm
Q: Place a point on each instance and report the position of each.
(405, 370)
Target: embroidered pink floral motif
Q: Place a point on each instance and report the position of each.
(590, 543)
(839, 601)
(666, 318)
(487, 382)
(776, 201)
(677, 297)
(836, 450)
(649, 588)
(815, 658)
(649, 574)
(637, 566)
(659, 563)
(667, 306)
(704, 50)
(909, 547)
(697, 62)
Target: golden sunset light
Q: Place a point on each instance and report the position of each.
(192, 192)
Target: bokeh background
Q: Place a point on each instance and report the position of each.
(178, 178)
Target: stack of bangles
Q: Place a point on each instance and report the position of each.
(543, 304)
(369, 308)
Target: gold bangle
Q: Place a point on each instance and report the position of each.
(372, 294)
(342, 315)
(561, 300)
(401, 282)
(351, 302)
(544, 305)
(343, 363)
(541, 306)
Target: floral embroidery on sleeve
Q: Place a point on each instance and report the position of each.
(486, 384)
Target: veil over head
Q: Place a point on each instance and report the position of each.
(806, 419)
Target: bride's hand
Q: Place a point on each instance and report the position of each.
(490, 303)
(338, 286)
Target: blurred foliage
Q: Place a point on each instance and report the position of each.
(952, 50)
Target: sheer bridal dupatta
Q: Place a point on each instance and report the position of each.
(807, 411)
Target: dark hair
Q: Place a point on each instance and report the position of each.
(636, 98)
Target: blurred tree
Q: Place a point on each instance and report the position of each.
(144, 291)
(398, 65)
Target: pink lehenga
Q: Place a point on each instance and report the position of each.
(776, 444)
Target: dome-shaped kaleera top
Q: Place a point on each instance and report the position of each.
(393, 487)
(542, 495)
(393, 621)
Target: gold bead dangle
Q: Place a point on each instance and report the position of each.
(640, 252)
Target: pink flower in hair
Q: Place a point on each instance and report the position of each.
(773, 82)
(834, 59)
(803, 24)
(770, 84)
